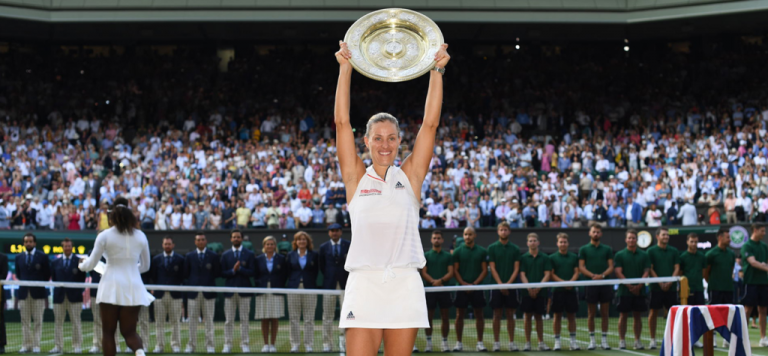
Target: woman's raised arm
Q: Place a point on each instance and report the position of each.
(352, 167)
(416, 165)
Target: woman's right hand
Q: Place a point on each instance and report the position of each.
(344, 54)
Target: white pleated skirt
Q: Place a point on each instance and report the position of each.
(372, 301)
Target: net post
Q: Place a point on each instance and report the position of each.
(709, 343)
(684, 291)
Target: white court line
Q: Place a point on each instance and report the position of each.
(630, 352)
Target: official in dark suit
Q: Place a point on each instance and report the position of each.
(33, 265)
(237, 265)
(271, 272)
(3, 275)
(302, 265)
(201, 268)
(167, 268)
(97, 332)
(67, 300)
(332, 256)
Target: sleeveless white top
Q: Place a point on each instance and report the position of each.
(385, 224)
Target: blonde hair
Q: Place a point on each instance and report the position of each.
(297, 236)
(264, 242)
(562, 235)
(534, 235)
(381, 117)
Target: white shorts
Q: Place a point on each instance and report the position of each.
(371, 303)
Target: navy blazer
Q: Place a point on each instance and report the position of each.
(241, 278)
(95, 276)
(277, 277)
(307, 275)
(38, 270)
(203, 273)
(172, 275)
(331, 266)
(69, 274)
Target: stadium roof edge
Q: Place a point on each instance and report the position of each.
(67, 11)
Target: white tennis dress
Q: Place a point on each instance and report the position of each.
(384, 289)
(121, 282)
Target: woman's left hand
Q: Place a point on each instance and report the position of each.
(442, 57)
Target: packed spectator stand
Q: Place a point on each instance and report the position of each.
(544, 136)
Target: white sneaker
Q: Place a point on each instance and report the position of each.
(639, 345)
(342, 344)
(763, 342)
(246, 349)
(415, 349)
(428, 348)
(496, 346)
(726, 344)
(141, 352)
(210, 350)
(117, 349)
(444, 346)
(480, 346)
(592, 345)
(23, 350)
(459, 346)
(57, 350)
(128, 350)
(157, 350)
(698, 344)
(543, 346)
(227, 349)
(265, 349)
(326, 347)
(272, 348)
(294, 349)
(527, 346)
(77, 350)
(622, 345)
(308, 349)
(575, 346)
(652, 345)
(189, 349)
(35, 350)
(512, 346)
(557, 345)
(176, 349)
(604, 345)
(94, 350)
(546, 317)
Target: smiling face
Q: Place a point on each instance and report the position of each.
(383, 141)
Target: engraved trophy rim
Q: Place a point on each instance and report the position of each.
(356, 33)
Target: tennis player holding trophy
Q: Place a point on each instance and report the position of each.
(384, 297)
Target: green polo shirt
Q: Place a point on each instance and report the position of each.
(595, 257)
(663, 261)
(721, 264)
(633, 265)
(504, 257)
(534, 267)
(470, 261)
(692, 266)
(759, 251)
(563, 265)
(437, 264)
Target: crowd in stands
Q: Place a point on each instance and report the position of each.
(535, 137)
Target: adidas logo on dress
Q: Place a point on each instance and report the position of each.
(350, 316)
(399, 186)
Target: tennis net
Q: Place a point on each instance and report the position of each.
(194, 319)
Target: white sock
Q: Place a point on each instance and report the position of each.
(140, 352)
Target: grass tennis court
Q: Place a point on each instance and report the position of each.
(470, 338)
